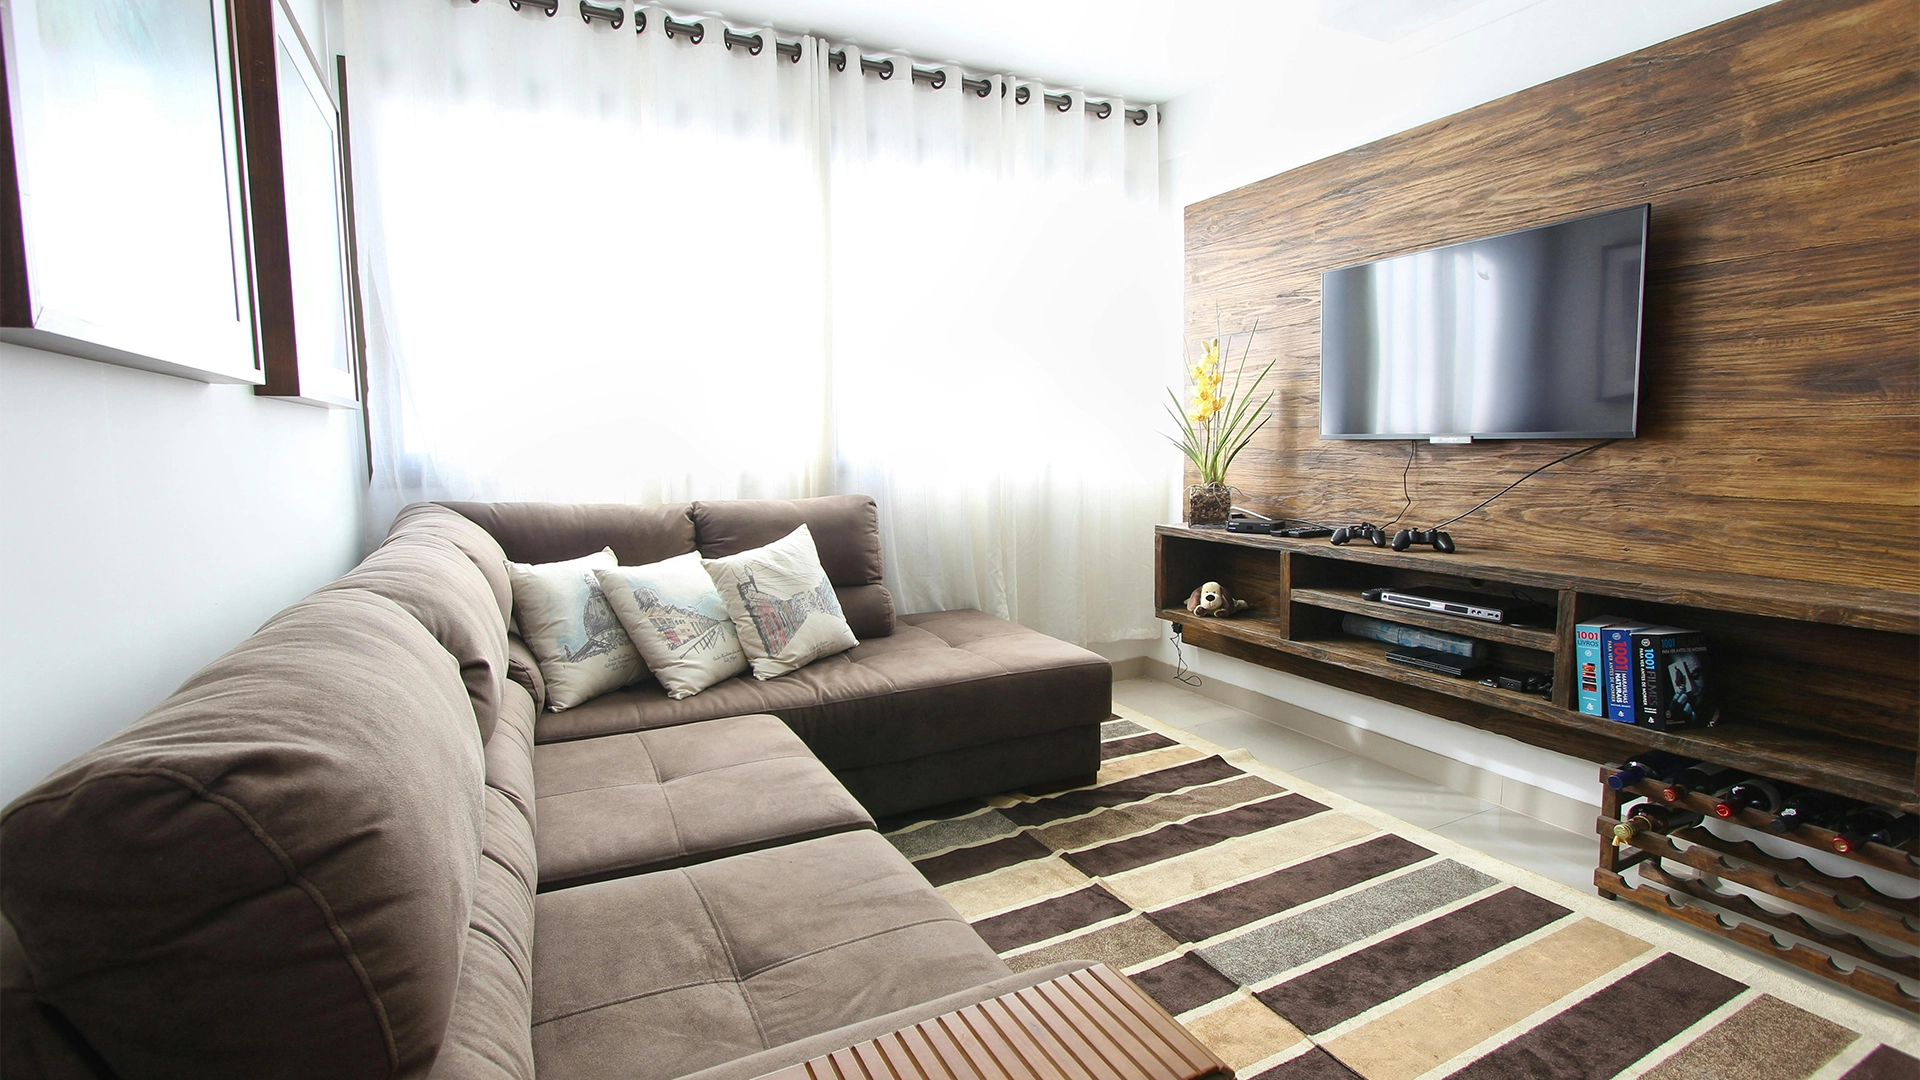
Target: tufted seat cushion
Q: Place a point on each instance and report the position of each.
(942, 683)
(741, 954)
(651, 800)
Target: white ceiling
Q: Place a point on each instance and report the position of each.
(1143, 50)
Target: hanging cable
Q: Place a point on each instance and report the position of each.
(1413, 445)
(1529, 476)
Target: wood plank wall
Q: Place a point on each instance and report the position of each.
(1780, 390)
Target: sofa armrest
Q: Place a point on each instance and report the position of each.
(776, 1058)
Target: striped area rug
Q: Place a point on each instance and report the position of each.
(1303, 936)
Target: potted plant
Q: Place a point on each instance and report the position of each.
(1215, 427)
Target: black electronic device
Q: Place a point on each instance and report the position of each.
(1441, 663)
(1438, 540)
(1363, 531)
(1495, 609)
(1371, 594)
(1297, 530)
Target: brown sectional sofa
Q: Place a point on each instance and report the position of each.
(356, 847)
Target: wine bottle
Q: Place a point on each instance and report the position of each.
(1808, 807)
(1651, 817)
(1706, 777)
(1658, 765)
(1872, 825)
(1756, 791)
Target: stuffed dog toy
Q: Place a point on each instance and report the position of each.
(1214, 599)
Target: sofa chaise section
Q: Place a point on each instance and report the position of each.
(743, 954)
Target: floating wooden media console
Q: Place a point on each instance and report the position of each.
(1819, 684)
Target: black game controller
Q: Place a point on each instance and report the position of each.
(1362, 531)
(1406, 538)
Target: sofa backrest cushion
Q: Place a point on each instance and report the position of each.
(846, 532)
(475, 542)
(272, 872)
(438, 585)
(557, 532)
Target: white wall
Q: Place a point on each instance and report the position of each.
(150, 523)
(1292, 90)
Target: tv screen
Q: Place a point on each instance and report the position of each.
(1528, 335)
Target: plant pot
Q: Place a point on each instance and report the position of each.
(1208, 504)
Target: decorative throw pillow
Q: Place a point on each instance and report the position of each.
(565, 619)
(677, 620)
(782, 605)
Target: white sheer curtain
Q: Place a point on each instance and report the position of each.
(594, 259)
(609, 266)
(1004, 317)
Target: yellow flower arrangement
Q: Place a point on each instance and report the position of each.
(1218, 422)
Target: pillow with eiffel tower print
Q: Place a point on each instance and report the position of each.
(566, 621)
(678, 622)
(782, 605)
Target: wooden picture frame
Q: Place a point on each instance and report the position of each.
(123, 231)
(304, 283)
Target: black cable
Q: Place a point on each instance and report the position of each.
(1413, 446)
(1529, 476)
(1180, 673)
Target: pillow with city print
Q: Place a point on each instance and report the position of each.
(572, 631)
(782, 605)
(677, 621)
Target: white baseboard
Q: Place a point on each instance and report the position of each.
(1129, 658)
(1487, 784)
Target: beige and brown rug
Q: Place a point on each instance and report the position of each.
(1303, 936)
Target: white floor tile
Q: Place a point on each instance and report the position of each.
(1513, 837)
(1268, 741)
(1403, 795)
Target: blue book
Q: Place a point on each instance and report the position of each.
(1617, 672)
(1587, 663)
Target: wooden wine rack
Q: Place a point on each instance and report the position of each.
(1850, 901)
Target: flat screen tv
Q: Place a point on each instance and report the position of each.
(1528, 335)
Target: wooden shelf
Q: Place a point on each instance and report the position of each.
(1837, 605)
(1525, 637)
(1844, 766)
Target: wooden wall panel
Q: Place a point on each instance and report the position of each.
(1780, 391)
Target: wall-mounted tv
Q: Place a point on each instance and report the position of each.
(1528, 335)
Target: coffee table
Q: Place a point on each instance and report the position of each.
(1086, 1025)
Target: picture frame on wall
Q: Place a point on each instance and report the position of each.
(303, 268)
(123, 231)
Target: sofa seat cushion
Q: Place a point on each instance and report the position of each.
(650, 800)
(942, 681)
(739, 955)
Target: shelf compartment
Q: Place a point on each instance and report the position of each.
(1526, 637)
(1849, 767)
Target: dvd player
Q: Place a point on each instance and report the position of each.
(1450, 602)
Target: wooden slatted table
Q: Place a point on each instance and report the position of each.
(1086, 1025)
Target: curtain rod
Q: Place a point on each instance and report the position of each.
(935, 78)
